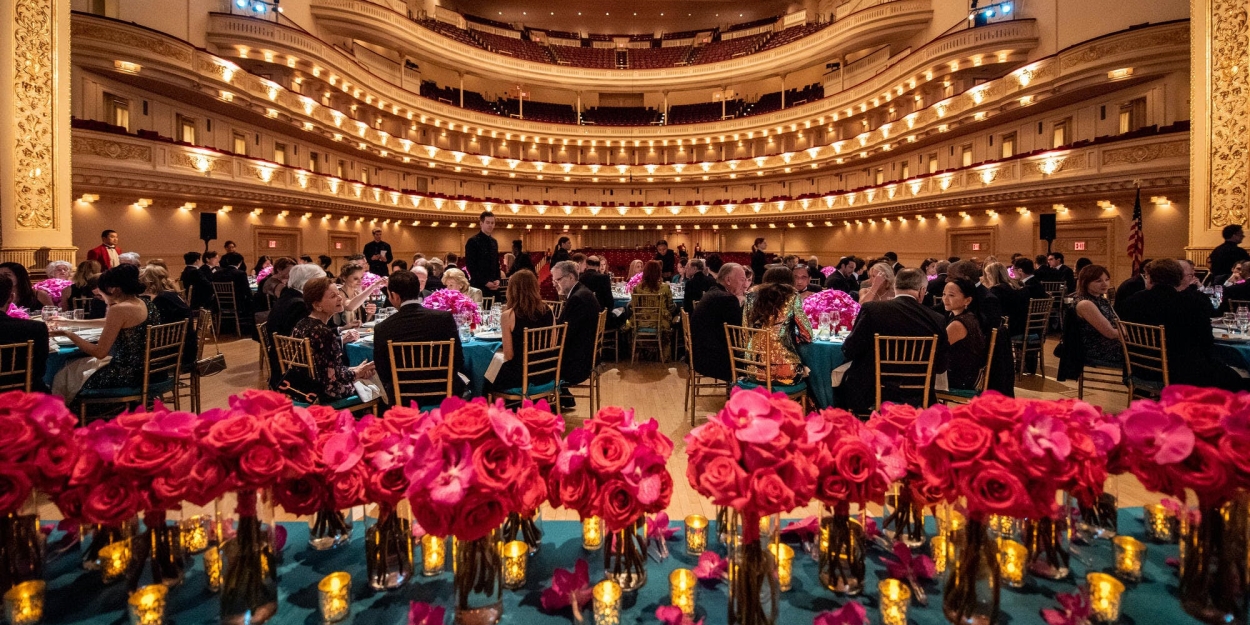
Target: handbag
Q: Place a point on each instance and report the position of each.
(299, 386)
(211, 365)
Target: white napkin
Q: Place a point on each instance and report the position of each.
(496, 363)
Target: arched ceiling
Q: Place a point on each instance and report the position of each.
(624, 17)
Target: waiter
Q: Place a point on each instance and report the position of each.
(481, 257)
(668, 259)
(378, 253)
(107, 252)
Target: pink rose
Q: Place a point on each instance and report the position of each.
(56, 460)
(993, 489)
(545, 448)
(770, 494)
(349, 487)
(996, 410)
(855, 461)
(609, 451)
(479, 514)
(260, 463)
(232, 434)
(303, 496)
(722, 477)
(497, 466)
(15, 488)
(467, 423)
(149, 454)
(111, 502)
(613, 416)
(573, 491)
(17, 436)
(617, 505)
(965, 440)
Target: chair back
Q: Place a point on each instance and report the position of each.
(16, 361)
(748, 354)
(164, 352)
(1234, 304)
(599, 332)
(81, 303)
(1058, 287)
(204, 326)
(555, 306)
(225, 297)
(544, 348)
(488, 302)
(906, 363)
(187, 292)
(1039, 313)
(685, 334)
(1145, 351)
(648, 311)
(422, 371)
(983, 378)
(293, 352)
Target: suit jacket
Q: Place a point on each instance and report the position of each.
(812, 288)
(901, 316)
(201, 287)
(933, 292)
(716, 309)
(695, 288)
(481, 259)
(581, 312)
(100, 254)
(1002, 377)
(1137, 284)
(1239, 292)
(1187, 329)
(287, 310)
(415, 323)
(21, 330)
(842, 283)
(600, 284)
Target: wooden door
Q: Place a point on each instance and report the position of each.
(342, 245)
(967, 243)
(276, 242)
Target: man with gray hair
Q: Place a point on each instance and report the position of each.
(287, 311)
(128, 258)
(581, 313)
(721, 305)
(902, 316)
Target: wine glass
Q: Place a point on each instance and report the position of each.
(1243, 319)
(1230, 321)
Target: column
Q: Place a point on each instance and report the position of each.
(461, 90)
(783, 91)
(35, 184)
(665, 108)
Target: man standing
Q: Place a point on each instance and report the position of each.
(107, 252)
(721, 305)
(193, 278)
(413, 323)
(697, 283)
(1228, 253)
(581, 313)
(378, 253)
(667, 258)
(481, 257)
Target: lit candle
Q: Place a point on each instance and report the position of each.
(1012, 557)
(514, 554)
(114, 558)
(940, 547)
(1104, 597)
(824, 536)
(696, 534)
(607, 600)
(212, 568)
(785, 562)
(682, 584)
(592, 533)
(950, 521)
(1160, 524)
(147, 605)
(894, 598)
(433, 555)
(23, 603)
(195, 533)
(1129, 553)
(334, 597)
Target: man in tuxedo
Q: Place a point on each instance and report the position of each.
(1238, 291)
(1191, 287)
(892, 258)
(16, 330)
(843, 277)
(1137, 284)
(378, 253)
(1186, 327)
(697, 283)
(287, 311)
(933, 291)
(481, 257)
(803, 282)
(581, 312)
(813, 268)
(1029, 281)
(211, 262)
(107, 252)
(1228, 253)
(413, 323)
(902, 316)
(721, 305)
(1061, 272)
(193, 278)
(600, 284)
(233, 272)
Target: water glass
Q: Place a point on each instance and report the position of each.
(49, 313)
(1230, 321)
(1243, 319)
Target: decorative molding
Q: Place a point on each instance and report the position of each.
(1099, 51)
(34, 33)
(199, 163)
(1146, 153)
(38, 257)
(1055, 165)
(130, 37)
(1229, 102)
(112, 149)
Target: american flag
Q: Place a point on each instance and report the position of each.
(1136, 235)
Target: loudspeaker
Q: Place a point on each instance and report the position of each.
(1046, 228)
(208, 226)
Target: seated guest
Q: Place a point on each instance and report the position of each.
(231, 272)
(1236, 292)
(721, 305)
(287, 311)
(524, 310)
(324, 262)
(963, 331)
(1030, 282)
(635, 268)
(803, 282)
(581, 313)
(600, 284)
(14, 330)
(129, 258)
(653, 284)
(1002, 376)
(843, 277)
(714, 263)
(455, 280)
(271, 287)
(194, 279)
(54, 290)
(1191, 287)
(163, 294)
(124, 337)
(399, 265)
(1186, 327)
(356, 297)
(1098, 341)
(521, 259)
(413, 323)
(23, 294)
(776, 307)
(423, 278)
(336, 379)
(697, 283)
(435, 266)
(880, 286)
(261, 264)
(813, 269)
(902, 316)
(937, 283)
(1013, 300)
(211, 263)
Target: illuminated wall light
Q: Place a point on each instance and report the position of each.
(920, 218)
(1118, 74)
(1106, 205)
(1050, 166)
(127, 67)
(1161, 201)
(1023, 210)
(940, 216)
(225, 209)
(226, 96)
(992, 213)
(979, 116)
(988, 175)
(187, 207)
(283, 214)
(89, 198)
(257, 212)
(142, 203)
(963, 214)
(1026, 100)
(307, 216)
(945, 182)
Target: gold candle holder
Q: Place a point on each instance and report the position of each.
(114, 559)
(212, 568)
(334, 597)
(950, 521)
(195, 533)
(941, 550)
(23, 603)
(682, 584)
(607, 600)
(1013, 558)
(1129, 554)
(433, 555)
(784, 555)
(1104, 597)
(147, 605)
(1161, 525)
(592, 533)
(894, 597)
(696, 534)
(824, 537)
(515, 555)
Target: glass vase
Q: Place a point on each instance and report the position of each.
(724, 525)
(478, 581)
(1101, 519)
(753, 585)
(157, 555)
(903, 516)
(971, 593)
(388, 546)
(527, 528)
(625, 559)
(842, 556)
(329, 528)
(1049, 541)
(21, 546)
(93, 537)
(1213, 571)
(249, 589)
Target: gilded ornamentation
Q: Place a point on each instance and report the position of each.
(1230, 97)
(1145, 153)
(1054, 165)
(33, 91)
(112, 149)
(1154, 38)
(130, 38)
(199, 162)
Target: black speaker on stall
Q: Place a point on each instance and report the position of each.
(208, 228)
(1046, 228)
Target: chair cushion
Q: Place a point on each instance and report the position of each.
(126, 391)
(961, 392)
(1032, 337)
(788, 389)
(535, 389)
(346, 402)
(1154, 385)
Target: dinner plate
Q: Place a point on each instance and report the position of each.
(488, 336)
(1222, 335)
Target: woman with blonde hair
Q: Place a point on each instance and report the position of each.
(880, 284)
(455, 280)
(161, 291)
(635, 268)
(524, 310)
(82, 286)
(54, 290)
(653, 284)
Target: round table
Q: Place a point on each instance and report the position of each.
(621, 302)
(821, 358)
(57, 361)
(477, 357)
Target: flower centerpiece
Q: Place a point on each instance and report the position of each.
(840, 306)
(615, 467)
(388, 446)
(97, 496)
(368, 279)
(16, 312)
(54, 287)
(903, 518)
(633, 282)
(857, 464)
(265, 272)
(828, 270)
(753, 456)
(1198, 439)
(454, 302)
(335, 482)
(545, 429)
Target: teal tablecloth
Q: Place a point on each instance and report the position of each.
(477, 355)
(77, 597)
(821, 358)
(57, 361)
(1233, 353)
(621, 302)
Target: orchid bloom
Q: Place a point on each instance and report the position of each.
(711, 566)
(420, 613)
(672, 615)
(1074, 609)
(343, 451)
(805, 528)
(925, 428)
(751, 417)
(890, 460)
(849, 614)
(576, 449)
(1042, 434)
(444, 470)
(166, 424)
(508, 427)
(909, 567)
(105, 438)
(568, 587)
(658, 527)
(1163, 435)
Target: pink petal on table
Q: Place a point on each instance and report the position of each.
(711, 566)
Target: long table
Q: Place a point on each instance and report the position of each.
(477, 356)
(77, 597)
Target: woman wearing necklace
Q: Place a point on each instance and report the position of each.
(324, 300)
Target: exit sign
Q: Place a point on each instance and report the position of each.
(976, 247)
(272, 243)
(1078, 246)
(338, 245)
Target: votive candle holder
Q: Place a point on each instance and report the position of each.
(23, 603)
(1161, 524)
(147, 605)
(114, 559)
(696, 534)
(607, 602)
(334, 597)
(592, 533)
(941, 552)
(682, 587)
(1013, 558)
(894, 596)
(1129, 554)
(1105, 592)
(515, 555)
(433, 555)
(212, 567)
(195, 533)
(784, 554)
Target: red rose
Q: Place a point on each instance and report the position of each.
(56, 460)
(770, 494)
(532, 492)
(666, 492)
(349, 487)
(538, 420)
(70, 502)
(965, 440)
(260, 404)
(995, 410)
(388, 486)
(479, 514)
(716, 439)
(1202, 418)
(149, 454)
(610, 451)
(545, 448)
(324, 416)
(1236, 450)
(612, 416)
(467, 423)
(232, 434)
(574, 491)
(15, 488)
(854, 461)
(1204, 471)
(496, 465)
(993, 489)
(654, 440)
(399, 419)
(894, 419)
(210, 478)
(721, 479)
(111, 502)
(617, 505)
(17, 437)
(168, 490)
(259, 464)
(303, 496)
(289, 429)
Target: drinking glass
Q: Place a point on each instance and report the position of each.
(1230, 321)
(1243, 319)
(79, 314)
(826, 325)
(49, 313)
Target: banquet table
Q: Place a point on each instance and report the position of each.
(621, 302)
(477, 356)
(821, 358)
(1233, 351)
(77, 597)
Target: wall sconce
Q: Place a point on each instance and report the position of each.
(127, 67)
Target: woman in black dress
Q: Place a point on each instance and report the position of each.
(324, 299)
(525, 310)
(23, 294)
(758, 260)
(968, 343)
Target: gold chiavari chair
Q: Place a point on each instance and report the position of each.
(555, 306)
(1145, 359)
(594, 394)
(1034, 337)
(648, 322)
(262, 336)
(907, 363)
(296, 353)
(543, 349)
(696, 382)
(424, 373)
(16, 364)
(965, 395)
(161, 360)
(227, 307)
(748, 354)
(204, 329)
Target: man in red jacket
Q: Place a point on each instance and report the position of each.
(106, 254)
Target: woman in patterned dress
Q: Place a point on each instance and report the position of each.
(775, 306)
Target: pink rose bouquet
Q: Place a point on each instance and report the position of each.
(336, 480)
(38, 447)
(17, 313)
(264, 273)
(841, 306)
(54, 287)
(368, 279)
(545, 429)
(828, 270)
(633, 282)
(454, 302)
